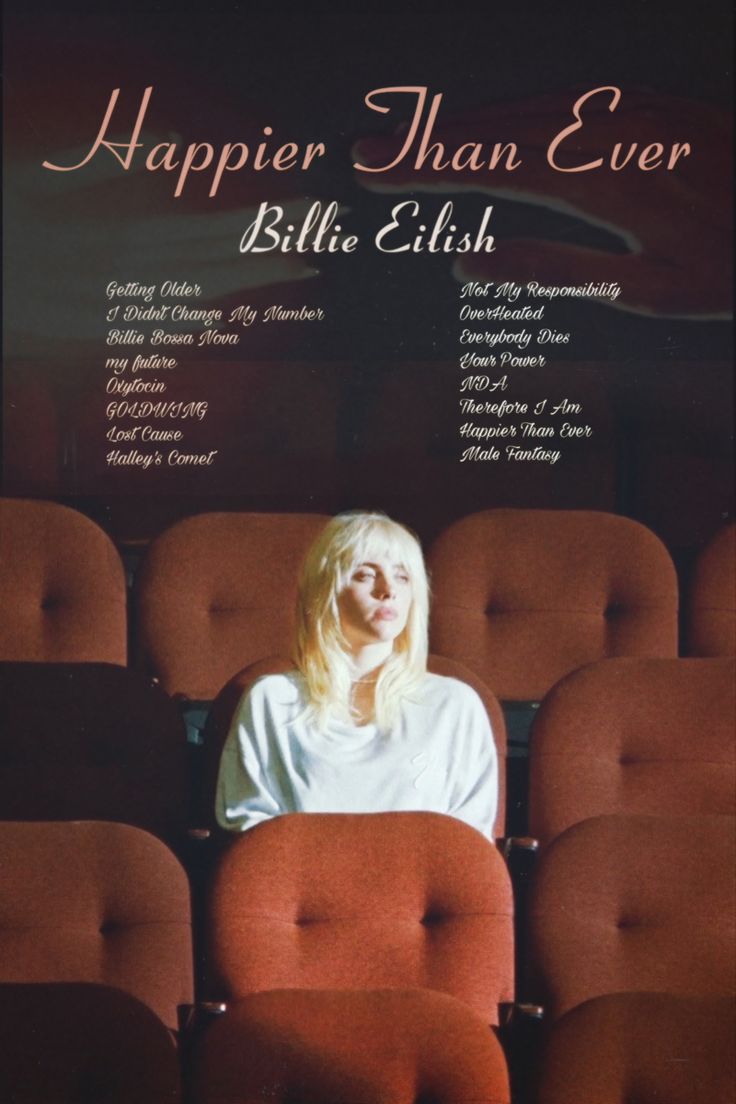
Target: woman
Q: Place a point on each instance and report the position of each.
(360, 725)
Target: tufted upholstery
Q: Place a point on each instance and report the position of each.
(630, 903)
(62, 586)
(377, 1047)
(525, 596)
(713, 598)
(98, 902)
(91, 741)
(224, 706)
(83, 1044)
(641, 1048)
(218, 591)
(634, 736)
(363, 901)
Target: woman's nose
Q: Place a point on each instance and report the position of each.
(384, 587)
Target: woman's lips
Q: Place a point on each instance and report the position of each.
(386, 614)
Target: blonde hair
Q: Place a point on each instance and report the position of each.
(322, 653)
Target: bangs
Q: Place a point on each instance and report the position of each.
(377, 538)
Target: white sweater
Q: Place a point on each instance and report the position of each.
(439, 758)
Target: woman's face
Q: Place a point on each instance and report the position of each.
(374, 604)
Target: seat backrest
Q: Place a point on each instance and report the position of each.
(226, 702)
(647, 1047)
(358, 1047)
(83, 1044)
(92, 741)
(712, 612)
(634, 736)
(523, 597)
(363, 901)
(62, 587)
(218, 591)
(97, 902)
(632, 903)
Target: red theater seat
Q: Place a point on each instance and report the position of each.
(92, 741)
(365, 901)
(651, 1048)
(218, 591)
(634, 736)
(62, 587)
(83, 1044)
(96, 902)
(523, 597)
(350, 1048)
(634, 903)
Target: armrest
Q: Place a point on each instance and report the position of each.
(517, 1013)
(518, 843)
(196, 1016)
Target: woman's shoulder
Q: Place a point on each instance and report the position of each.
(443, 689)
(274, 691)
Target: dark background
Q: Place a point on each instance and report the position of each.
(362, 410)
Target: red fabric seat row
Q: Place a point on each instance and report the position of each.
(399, 1046)
(311, 918)
(321, 904)
(85, 1044)
(394, 923)
(644, 735)
(522, 597)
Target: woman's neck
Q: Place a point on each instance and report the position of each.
(367, 664)
(370, 658)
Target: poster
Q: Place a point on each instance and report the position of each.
(262, 257)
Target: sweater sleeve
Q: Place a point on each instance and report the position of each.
(475, 794)
(246, 792)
